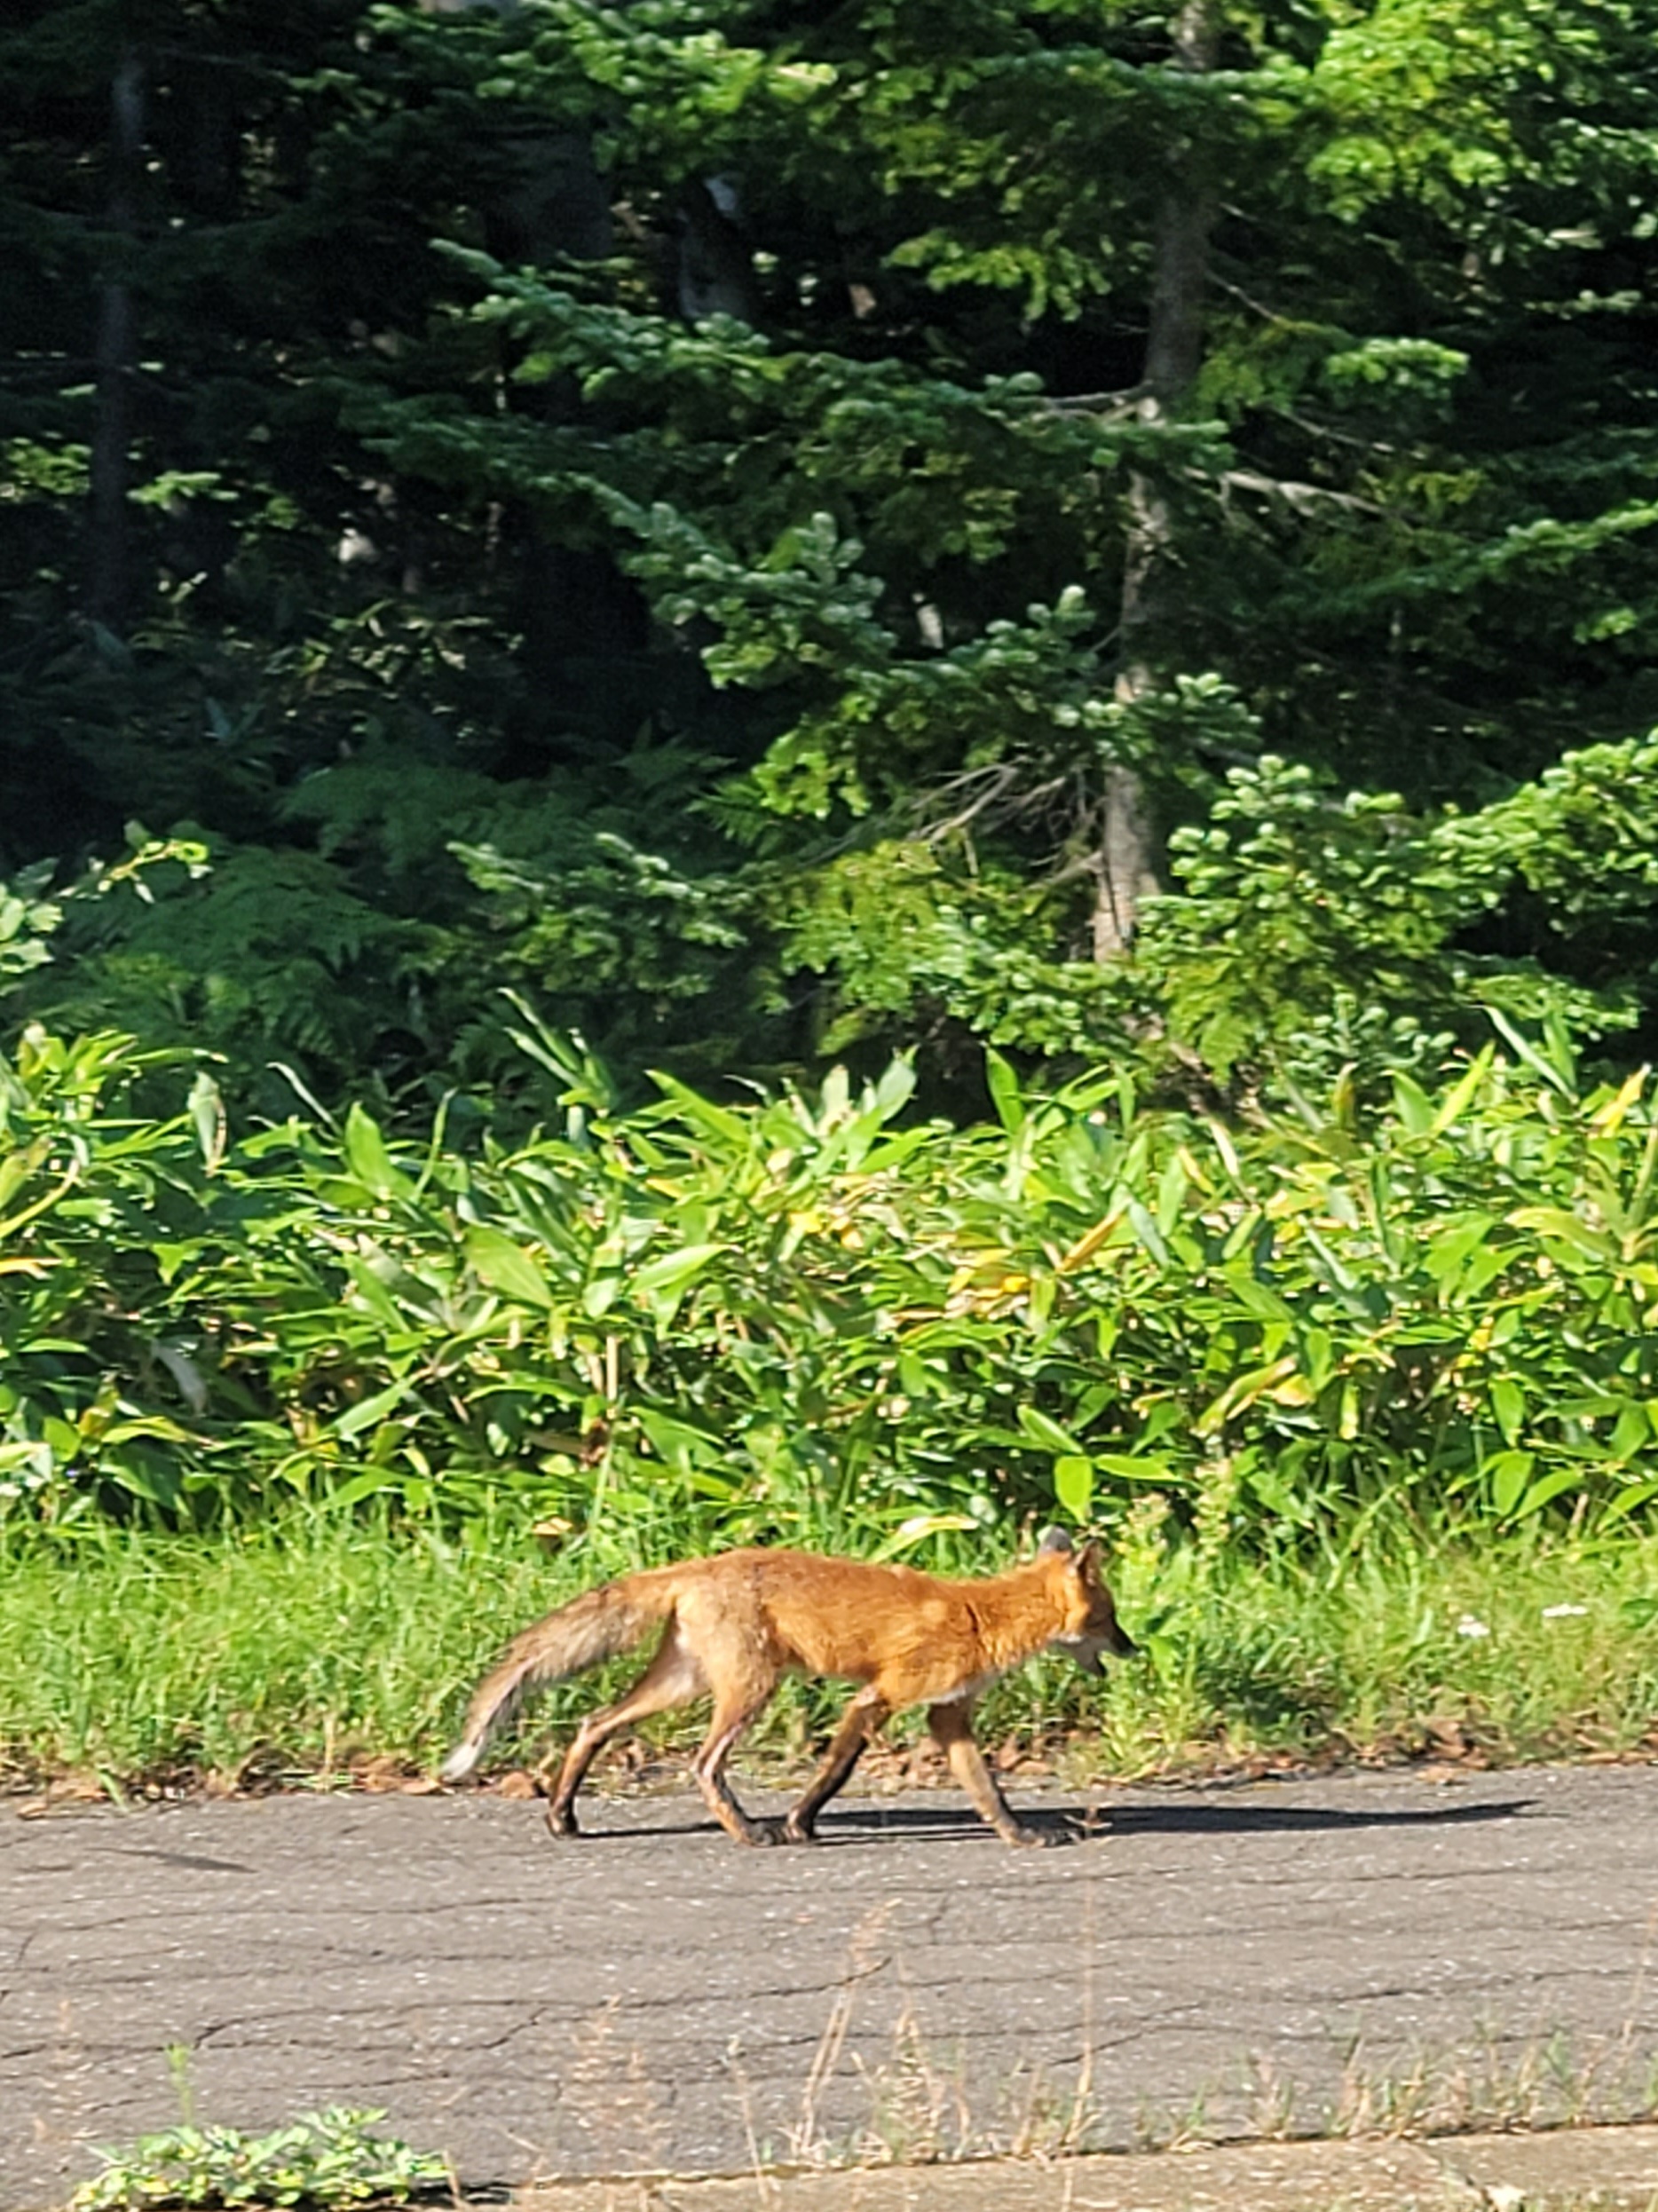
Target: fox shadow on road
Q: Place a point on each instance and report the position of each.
(856, 1825)
(1079, 1825)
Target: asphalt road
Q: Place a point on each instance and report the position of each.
(1217, 1960)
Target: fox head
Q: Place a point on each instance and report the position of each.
(1091, 1625)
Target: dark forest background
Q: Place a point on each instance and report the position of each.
(769, 530)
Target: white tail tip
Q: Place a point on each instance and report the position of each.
(460, 1762)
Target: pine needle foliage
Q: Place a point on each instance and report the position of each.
(611, 502)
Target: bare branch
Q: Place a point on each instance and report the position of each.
(1300, 496)
(994, 791)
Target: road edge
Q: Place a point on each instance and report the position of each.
(1616, 2166)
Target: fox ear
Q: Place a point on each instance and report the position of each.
(1089, 1566)
(1053, 1540)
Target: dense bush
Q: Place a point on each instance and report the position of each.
(818, 1318)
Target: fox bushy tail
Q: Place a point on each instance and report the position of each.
(596, 1627)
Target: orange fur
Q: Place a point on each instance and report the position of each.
(734, 1626)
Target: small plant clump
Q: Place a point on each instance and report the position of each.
(321, 2158)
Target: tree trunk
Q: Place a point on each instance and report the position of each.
(1175, 344)
(1122, 868)
(109, 562)
(715, 270)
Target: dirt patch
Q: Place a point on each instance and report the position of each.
(1604, 2167)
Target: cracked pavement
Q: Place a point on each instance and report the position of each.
(651, 1997)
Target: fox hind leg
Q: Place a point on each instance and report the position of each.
(673, 1677)
(861, 1721)
(734, 1711)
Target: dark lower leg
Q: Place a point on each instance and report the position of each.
(863, 1716)
(952, 1727)
(590, 1740)
(709, 1768)
(668, 1681)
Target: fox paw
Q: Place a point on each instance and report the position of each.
(562, 1824)
(761, 1834)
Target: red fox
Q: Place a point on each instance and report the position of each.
(736, 1623)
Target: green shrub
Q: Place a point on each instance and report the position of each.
(822, 1320)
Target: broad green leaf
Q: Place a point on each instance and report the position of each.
(207, 1115)
(1557, 1077)
(678, 1441)
(1547, 1489)
(18, 1166)
(1048, 1433)
(1508, 1403)
(506, 1266)
(1147, 1230)
(1132, 1468)
(370, 1161)
(1003, 1086)
(673, 1269)
(1254, 1297)
(1507, 1473)
(1073, 1486)
(1244, 1391)
(917, 1528)
(374, 1293)
(372, 1482)
(1172, 1188)
(1551, 1220)
(1265, 1483)
(1632, 1432)
(1449, 1246)
(895, 1088)
(730, 1128)
(1455, 1101)
(1413, 1106)
(1609, 1117)
(370, 1411)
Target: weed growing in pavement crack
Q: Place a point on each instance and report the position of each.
(1554, 2081)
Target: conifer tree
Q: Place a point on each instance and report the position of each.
(768, 525)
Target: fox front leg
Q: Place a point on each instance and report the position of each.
(863, 1718)
(952, 1729)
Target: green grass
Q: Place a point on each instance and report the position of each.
(292, 1648)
